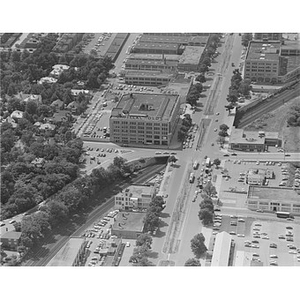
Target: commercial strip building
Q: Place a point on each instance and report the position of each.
(128, 225)
(148, 78)
(148, 119)
(190, 58)
(135, 197)
(71, 254)
(223, 250)
(252, 140)
(273, 199)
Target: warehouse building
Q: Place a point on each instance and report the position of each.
(190, 59)
(71, 254)
(273, 199)
(148, 119)
(128, 225)
(135, 197)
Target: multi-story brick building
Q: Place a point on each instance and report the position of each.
(151, 65)
(148, 119)
(135, 197)
(268, 36)
(263, 62)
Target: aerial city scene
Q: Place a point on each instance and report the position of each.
(150, 149)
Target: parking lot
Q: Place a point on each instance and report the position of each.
(268, 242)
(99, 238)
(234, 186)
(99, 42)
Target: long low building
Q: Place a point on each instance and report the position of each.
(223, 250)
(253, 140)
(157, 57)
(148, 78)
(148, 119)
(71, 254)
(273, 199)
(157, 48)
(152, 65)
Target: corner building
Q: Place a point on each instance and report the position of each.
(148, 119)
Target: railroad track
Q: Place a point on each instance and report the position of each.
(268, 106)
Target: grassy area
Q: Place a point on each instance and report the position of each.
(276, 121)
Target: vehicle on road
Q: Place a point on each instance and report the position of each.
(283, 214)
(192, 178)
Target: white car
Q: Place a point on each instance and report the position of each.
(293, 252)
(127, 244)
(241, 235)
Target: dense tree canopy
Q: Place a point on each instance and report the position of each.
(197, 245)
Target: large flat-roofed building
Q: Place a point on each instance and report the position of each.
(183, 39)
(157, 48)
(158, 57)
(263, 62)
(268, 36)
(273, 199)
(190, 58)
(151, 65)
(290, 48)
(252, 140)
(223, 250)
(135, 197)
(147, 77)
(71, 254)
(148, 119)
(128, 225)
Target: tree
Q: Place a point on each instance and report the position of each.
(217, 162)
(192, 262)
(201, 78)
(206, 216)
(210, 189)
(224, 127)
(144, 239)
(246, 38)
(151, 221)
(197, 245)
(223, 133)
(208, 204)
(172, 159)
(144, 262)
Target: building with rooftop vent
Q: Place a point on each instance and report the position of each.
(148, 119)
(128, 225)
(253, 140)
(223, 250)
(263, 62)
(135, 197)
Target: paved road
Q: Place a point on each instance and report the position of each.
(190, 224)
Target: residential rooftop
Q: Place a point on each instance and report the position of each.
(191, 55)
(67, 254)
(145, 106)
(273, 193)
(129, 221)
(263, 51)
